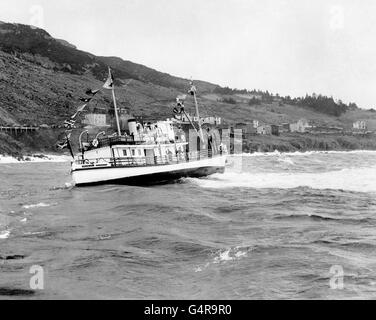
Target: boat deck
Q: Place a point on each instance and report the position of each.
(145, 161)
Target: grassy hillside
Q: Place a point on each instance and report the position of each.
(42, 79)
(306, 142)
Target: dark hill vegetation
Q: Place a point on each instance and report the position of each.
(42, 80)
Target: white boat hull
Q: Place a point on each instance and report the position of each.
(144, 175)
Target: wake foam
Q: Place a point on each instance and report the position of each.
(276, 153)
(4, 234)
(353, 179)
(37, 205)
(225, 255)
(34, 158)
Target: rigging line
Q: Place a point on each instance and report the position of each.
(203, 107)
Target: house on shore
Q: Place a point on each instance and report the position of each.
(284, 128)
(247, 128)
(300, 126)
(274, 130)
(360, 125)
(214, 120)
(264, 129)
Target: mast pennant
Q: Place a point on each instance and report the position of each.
(109, 84)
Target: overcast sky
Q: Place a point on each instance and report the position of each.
(291, 47)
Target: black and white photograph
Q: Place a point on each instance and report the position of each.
(174, 150)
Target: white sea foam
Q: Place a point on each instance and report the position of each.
(352, 179)
(240, 254)
(286, 160)
(223, 256)
(37, 205)
(68, 185)
(35, 158)
(276, 153)
(229, 255)
(34, 233)
(4, 234)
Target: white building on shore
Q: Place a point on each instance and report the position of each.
(360, 125)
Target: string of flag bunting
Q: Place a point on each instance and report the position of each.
(70, 124)
(179, 108)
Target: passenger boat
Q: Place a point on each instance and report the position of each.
(147, 153)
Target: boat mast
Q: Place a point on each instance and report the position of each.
(115, 106)
(116, 112)
(193, 92)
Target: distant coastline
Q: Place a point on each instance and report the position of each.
(37, 148)
(308, 142)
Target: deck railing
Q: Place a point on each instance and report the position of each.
(147, 161)
(108, 141)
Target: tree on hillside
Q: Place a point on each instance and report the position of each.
(324, 104)
(254, 102)
(229, 100)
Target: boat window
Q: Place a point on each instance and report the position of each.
(133, 152)
(125, 153)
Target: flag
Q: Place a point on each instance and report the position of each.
(181, 97)
(179, 109)
(69, 124)
(79, 109)
(192, 90)
(180, 104)
(109, 84)
(62, 145)
(65, 143)
(91, 92)
(86, 100)
(180, 101)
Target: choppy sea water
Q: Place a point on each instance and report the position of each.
(272, 227)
